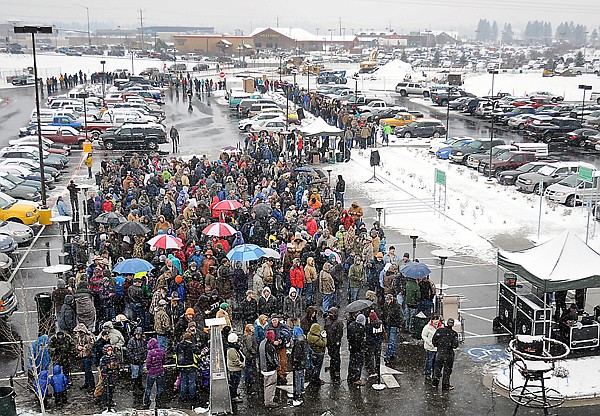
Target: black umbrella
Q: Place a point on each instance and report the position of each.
(358, 305)
(132, 228)
(111, 218)
(262, 210)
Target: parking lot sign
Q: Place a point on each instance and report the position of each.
(585, 174)
(440, 177)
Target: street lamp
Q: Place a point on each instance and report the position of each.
(443, 255)
(33, 30)
(84, 95)
(584, 88)
(493, 72)
(280, 67)
(450, 91)
(103, 81)
(414, 235)
(87, 11)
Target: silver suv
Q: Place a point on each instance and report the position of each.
(412, 88)
(547, 175)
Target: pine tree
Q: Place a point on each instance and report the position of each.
(494, 32)
(579, 60)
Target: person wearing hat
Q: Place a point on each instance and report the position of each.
(236, 361)
(283, 334)
(374, 331)
(445, 340)
(162, 325)
(109, 370)
(412, 298)
(178, 287)
(58, 294)
(222, 313)
(134, 301)
(356, 345)
(207, 262)
(175, 308)
(248, 308)
(182, 323)
(427, 334)
(186, 361)
(356, 278)
(223, 281)
(393, 319)
(427, 288)
(136, 353)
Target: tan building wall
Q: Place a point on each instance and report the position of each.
(212, 44)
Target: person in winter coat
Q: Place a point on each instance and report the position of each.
(116, 338)
(59, 294)
(84, 345)
(374, 338)
(356, 277)
(356, 345)
(222, 313)
(299, 361)
(236, 361)
(446, 341)
(162, 325)
(310, 278)
(430, 349)
(267, 304)
(109, 369)
(250, 350)
(240, 284)
(60, 384)
(293, 308)
(155, 360)
(338, 274)
(412, 298)
(66, 319)
(84, 305)
(267, 358)
(186, 361)
(260, 327)
(136, 353)
(297, 276)
(393, 319)
(248, 308)
(355, 211)
(326, 287)
(283, 334)
(62, 350)
(317, 341)
(40, 386)
(335, 332)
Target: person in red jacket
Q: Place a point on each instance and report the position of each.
(311, 225)
(297, 276)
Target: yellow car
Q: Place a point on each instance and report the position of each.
(401, 119)
(17, 211)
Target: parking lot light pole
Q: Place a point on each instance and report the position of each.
(33, 30)
(103, 83)
(450, 91)
(84, 95)
(493, 72)
(584, 88)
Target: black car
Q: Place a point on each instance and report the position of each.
(421, 128)
(131, 136)
(509, 177)
(200, 67)
(460, 154)
(579, 137)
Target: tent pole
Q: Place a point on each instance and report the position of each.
(497, 282)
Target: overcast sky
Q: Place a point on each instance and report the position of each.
(227, 15)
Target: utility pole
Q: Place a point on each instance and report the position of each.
(340, 26)
(142, 28)
(277, 25)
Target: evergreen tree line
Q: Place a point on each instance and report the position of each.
(537, 30)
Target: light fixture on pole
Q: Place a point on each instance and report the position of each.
(84, 95)
(33, 30)
(584, 88)
(414, 236)
(103, 83)
(493, 72)
(443, 255)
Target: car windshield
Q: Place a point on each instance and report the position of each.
(546, 170)
(5, 183)
(6, 201)
(504, 156)
(13, 178)
(528, 167)
(475, 144)
(570, 181)
(413, 124)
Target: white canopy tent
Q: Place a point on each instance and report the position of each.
(563, 263)
(319, 127)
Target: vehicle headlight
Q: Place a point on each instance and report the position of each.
(29, 214)
(527, 181)
(14, 233)
(508, 176)
(30, 195)
(458, 153)
(560, 194)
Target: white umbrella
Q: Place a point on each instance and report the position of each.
(269, 252)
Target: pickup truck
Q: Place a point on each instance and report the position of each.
(558, 126)
(96, 128)
(66, 121)
(506, 161)
(442, 97)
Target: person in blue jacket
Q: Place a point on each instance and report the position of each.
(59, 383)
(40, 386)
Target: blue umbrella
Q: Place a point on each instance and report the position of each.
(133, 266)
(415, 270)
(245, 252)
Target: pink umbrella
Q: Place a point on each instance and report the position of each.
(219, 229)
(165, 241)
(227, 205)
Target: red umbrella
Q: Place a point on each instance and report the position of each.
(165, 241)
(219, 229)
(227, 205)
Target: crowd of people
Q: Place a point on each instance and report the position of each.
(281, 314)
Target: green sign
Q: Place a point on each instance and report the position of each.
(585, 174)
(440, 177)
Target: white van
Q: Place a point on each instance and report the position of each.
(572, 191)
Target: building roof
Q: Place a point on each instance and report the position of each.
(294, 33)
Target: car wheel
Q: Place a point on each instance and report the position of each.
(80, 143)
(521, 126)
(444, 103)
(497, 174)
(110, 145)
(436, 135)
(95, 134)
(403, 93)
(570, 201)
(247, 128)
(152, 145)
(407, 135)
(536, 189)
(547, 138)
(425, 94)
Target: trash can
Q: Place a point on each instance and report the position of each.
(45, 215)
(339, 157)
(420, 321)
(7, 401)
(43, 302)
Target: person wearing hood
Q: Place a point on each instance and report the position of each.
(445, 340)
(239, 239)
(40, 386)
(176, 263)
(310, 277)
(59, 294)
(356, 345)
(66, 319)
(155, 360)
(236, 361)
(136, 352)
(297, 276)
(293, 307)
(109, 370)
(62, 350)
(335, 332)
(84, 346)
(393, 319)
(327, 288)
(116, 338)
(299, 361)
(162, 324)
(267, 359)
(430, 349)
(356, 278)
(317, 341)
(39, 355)
(374, 338)
(267, 304)
(283, 335)
(60, 384)
(355, 211)
(340, 189)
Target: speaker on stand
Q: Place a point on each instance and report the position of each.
(374, 161)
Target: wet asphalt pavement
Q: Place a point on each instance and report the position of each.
(203, 131)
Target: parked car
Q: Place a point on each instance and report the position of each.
(444, 152)
(474, 159)
(424, 127)
(17, 211)
(23, 80)
(439, 143)
(548, 95)
(269, 126)
(547, 175)
(509, 177)
(581, 137)
(401, 119)
(19, 191)
(553, 129)
(412, 88)
(505, 161)
(32, 153)
(134, 136)
(200, 67)
(459, 155)
(572, 191)
(20, 233)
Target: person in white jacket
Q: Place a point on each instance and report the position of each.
(430, 349)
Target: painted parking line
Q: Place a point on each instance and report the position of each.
(472, 335)
(480, 308)
(477, 317)
(35, 288)
(472, 285)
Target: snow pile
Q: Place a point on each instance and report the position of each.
(395, 69)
